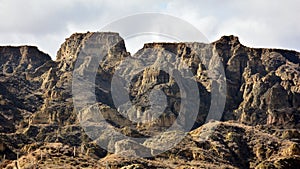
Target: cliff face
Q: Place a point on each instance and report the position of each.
(262, 92)
(19, 94)
(263, 84)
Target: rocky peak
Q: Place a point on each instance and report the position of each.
(262, 91)
(21, 58)
(231, 39)
(75, 42)
(68, 52)
(69, 48)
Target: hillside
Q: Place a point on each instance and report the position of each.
(170, 105)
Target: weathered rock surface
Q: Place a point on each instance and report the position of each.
(19, 93)
(40, 119)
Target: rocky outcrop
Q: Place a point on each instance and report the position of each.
(215, 144)
(21, 59)
(42, 115)
(18, 92)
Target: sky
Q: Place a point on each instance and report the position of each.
(46, 24)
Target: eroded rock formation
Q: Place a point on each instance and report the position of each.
(39, 119)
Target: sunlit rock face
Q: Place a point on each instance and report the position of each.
(260, 125)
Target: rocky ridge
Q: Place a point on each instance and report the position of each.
(261, 115)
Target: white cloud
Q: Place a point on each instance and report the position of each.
(269, 23)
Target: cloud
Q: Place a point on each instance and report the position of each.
(269, 23)
(257, 23)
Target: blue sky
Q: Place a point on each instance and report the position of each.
(46, 24)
